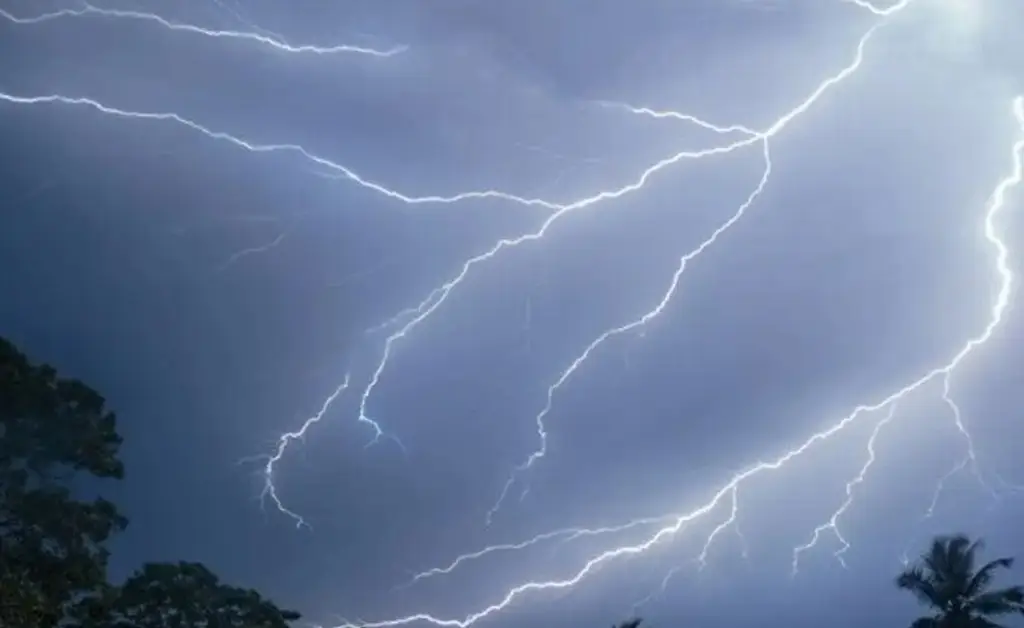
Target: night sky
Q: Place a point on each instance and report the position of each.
(218, 294)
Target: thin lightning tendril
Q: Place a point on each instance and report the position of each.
(833, 523)
(658, 591)
(685, 117)
(261, 38)
(241, 19)
(566, 535)
(269, 489)
(726, 498)
(253, 147)
(940, 486)
(253, 250)
(972, 456)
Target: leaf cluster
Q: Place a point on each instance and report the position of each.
(53, 554)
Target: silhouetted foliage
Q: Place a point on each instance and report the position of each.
(53, 559)
(51, 544)
(630, 623)
(178, 595)
(946, 579)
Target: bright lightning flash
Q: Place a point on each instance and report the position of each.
(731, 489)
(733, 138)
(439, 295)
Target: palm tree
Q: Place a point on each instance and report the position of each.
(960, 596)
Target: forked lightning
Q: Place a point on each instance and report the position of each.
(721, 512)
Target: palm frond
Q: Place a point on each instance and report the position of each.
(983, 622)
(960, 559)
(1001, 602)
(984, 576)
(919, 582)
(936, 559)
(969, 557)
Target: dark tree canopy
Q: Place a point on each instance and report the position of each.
(183, 595)
(51, 544)
(53, 559)
(948, 580)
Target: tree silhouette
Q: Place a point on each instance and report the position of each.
(629, 623)
(51, 544)
(178, 595)
(947, 580)
(53, 559)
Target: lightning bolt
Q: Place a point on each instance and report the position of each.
(269, 489)
(658, 591)
(440, 294)
(253, 250)
(632, 325)
(723, 507)
(940, 486)
(260, 38)
(241, 19)
(868, 6)
(416, 315)
(566, 535)
(750, 136)
(833, 523)
(684, 117)
(972, 456)
(730, 490)
(996, 204)
(255, 147)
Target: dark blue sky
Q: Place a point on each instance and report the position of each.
(217, 295)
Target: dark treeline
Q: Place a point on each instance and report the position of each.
(53, 555)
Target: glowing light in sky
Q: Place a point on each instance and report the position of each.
(957, 24)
